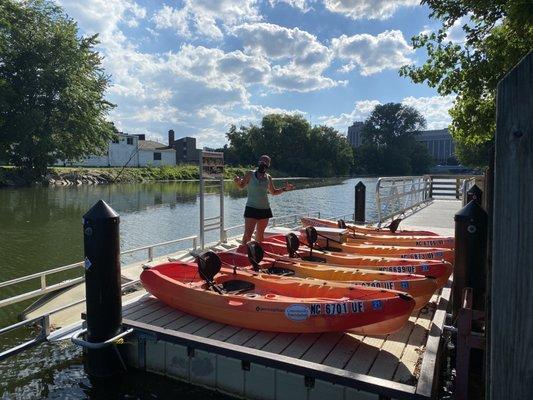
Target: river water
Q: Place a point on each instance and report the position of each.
(40, 228)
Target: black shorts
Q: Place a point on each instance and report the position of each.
(257, 213)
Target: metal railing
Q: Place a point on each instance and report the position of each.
(43, 323)
(449, 185)
(397, 195)
(44, 289)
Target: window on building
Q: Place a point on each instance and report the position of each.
(130, 140)
(115, 140)
(157, 156)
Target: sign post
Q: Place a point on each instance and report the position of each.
(211, 165)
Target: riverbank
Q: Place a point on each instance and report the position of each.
(70, 176)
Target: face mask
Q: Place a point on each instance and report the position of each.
(262, 168)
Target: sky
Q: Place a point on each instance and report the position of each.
(199, 66)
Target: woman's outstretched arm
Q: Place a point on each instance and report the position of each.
(275, 191)
(242, 182)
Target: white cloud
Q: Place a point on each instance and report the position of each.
(103, 16)
(360, 112)
(298, 58)
(456, 33)
(368, 9)
(372, 54)
(277, 42)
(434, 109)
(302, 5)
(205, 17)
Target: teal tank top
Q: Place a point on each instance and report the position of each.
(257, 193)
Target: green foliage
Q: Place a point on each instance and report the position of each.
(295, 147)
(498, 34)
(51, 88)
(389, 142)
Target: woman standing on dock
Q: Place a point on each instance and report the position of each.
(257, 211)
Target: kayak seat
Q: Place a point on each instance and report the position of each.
(280, 271)
(236, 286)
(314, 259)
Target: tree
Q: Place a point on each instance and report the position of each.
(294, 146)
(498, 34)
(52, 88)
(389, 141)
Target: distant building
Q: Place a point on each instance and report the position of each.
(185, 147)
(131, 151)
(155, 153)
(354, 134)
(439, 144)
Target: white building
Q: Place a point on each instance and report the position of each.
(131, 151)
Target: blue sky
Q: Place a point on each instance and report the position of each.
(198, 66)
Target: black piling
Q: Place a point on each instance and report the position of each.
(103, 288)
(470, 254)
(360, 202)
(474, 193)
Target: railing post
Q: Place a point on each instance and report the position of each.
(470, 254)
(43, 281)
(150, 254)
(194, 243)
(430, 187)
(102, 288)
(457, 188)
(474, 193)
(360, 202)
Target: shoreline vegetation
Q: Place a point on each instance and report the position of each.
(76, 176)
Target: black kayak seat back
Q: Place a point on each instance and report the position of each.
(394, 225)
(342, 224)
(293, 243)
(312, 235)
(236, 286)
(208, 265)
(280, 271)
(255, 253)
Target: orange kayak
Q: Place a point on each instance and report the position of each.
(420, 287)
(274, 303)
(440, 270)
(365, 229)
(420, 253)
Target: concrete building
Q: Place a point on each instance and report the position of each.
(186, 151)
(354, 134)
(439, 144)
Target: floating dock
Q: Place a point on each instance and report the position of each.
(265, 365)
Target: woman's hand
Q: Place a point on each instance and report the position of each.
(288, 186)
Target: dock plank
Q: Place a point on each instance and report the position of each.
(390, 353)
(300, 345)
(363, 358)
(260, 340)
(322, 347)
(241, 336)
(342, 352)
(280, 342)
